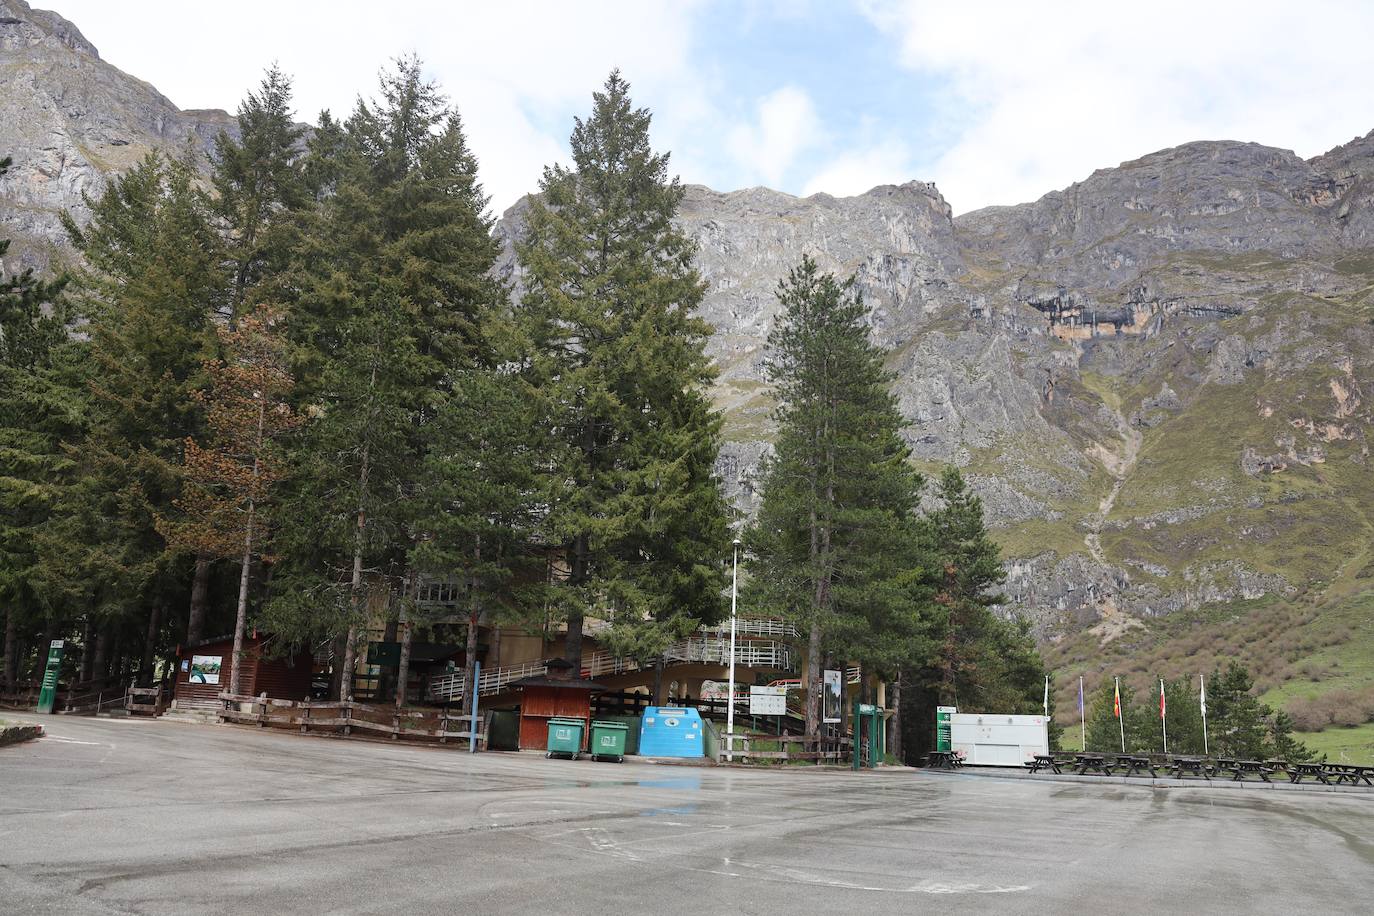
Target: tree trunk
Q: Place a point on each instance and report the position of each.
(336, 674)
(350, 660)
(11, 649)
(494, 647)
(405, 628)
(813, 677)
(356, 584)
(100, 661)
(572, 645)
(894, 730)
(87, 650)
(474, 616)
(200, 601)
(386, 680)
(658, 681)
(145, 670)
(246, 561)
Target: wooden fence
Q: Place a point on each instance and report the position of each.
(757, 748)
(344, 717)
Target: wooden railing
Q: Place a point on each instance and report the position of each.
(343, 717)
(756, 748)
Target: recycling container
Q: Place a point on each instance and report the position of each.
(608, 741)
(565, 737)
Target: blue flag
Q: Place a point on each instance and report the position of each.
(1080, 696)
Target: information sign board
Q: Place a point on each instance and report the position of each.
(832, 697)
(767, 701)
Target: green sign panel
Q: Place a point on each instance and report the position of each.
(385, 654)
(47, 696)
(942, 735)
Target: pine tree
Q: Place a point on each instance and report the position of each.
(36, 413)
(616, 359)
(258, 181)
(1236, 718)
(478, 502)
(223, 509)
(154, 283)
(966, 567)
(834, 540)
(392, 295)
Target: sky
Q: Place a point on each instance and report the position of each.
(996, 102)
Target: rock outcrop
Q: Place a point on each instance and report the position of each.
(1159, 379)
(70, 120)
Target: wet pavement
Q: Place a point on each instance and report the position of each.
(120, 816)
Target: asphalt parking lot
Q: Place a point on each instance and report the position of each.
(119, 816)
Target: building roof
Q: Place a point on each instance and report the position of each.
(571, 683)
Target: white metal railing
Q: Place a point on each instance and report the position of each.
(753, 626)
(703, 650)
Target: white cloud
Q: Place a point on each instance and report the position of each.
(859, 170)
(787, 124)
(1041, 94)
(513, 68)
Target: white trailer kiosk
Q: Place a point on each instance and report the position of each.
(998, 741)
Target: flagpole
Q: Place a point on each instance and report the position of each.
(1120, 719)
(1203, 683)
(1163, 722)
(1082, 720)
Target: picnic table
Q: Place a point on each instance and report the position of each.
(1195, 765)
(1043, 762)
(1316, 770)
(944, 760)
(1353, 774)
(1136, 764)
(1097, 762)
(1240, 767)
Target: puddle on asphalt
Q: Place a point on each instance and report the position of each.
(689, 783)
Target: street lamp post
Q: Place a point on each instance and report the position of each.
(730, 709)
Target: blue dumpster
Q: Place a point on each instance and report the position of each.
(671, 731)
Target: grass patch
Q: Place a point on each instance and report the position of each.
(1343, 745)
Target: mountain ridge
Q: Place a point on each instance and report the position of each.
(1155, 377)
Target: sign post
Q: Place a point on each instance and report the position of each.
(47, 696)
(943, 740)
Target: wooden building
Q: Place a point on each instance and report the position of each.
(203, 671)
(553, 695)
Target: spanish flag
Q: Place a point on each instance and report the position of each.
(1116, 700)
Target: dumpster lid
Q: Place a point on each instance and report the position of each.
(597, 723)
(566, 720)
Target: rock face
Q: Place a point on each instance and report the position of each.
(1159, 379)
(70, 120)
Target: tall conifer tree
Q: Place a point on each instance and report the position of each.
(616, 358)
(835, 530)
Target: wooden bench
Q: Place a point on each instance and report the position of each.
(1298, 771)
(1087, 762)
(1238, 769)
(1136, 764)
(943, 760)
(1353, 774)
(1043, 762)
(1195, 765)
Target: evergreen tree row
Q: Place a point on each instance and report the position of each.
(294, 396)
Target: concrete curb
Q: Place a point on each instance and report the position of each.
(1154, 783)
(14, 734)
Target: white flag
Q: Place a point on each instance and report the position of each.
(1203, 684)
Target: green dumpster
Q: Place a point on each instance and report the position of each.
(565, 737)
(608, 740)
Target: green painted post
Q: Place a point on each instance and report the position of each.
(47, 696)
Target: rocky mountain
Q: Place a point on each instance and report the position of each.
(1159, 378)
(69, 120)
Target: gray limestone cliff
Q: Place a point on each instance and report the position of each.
(1159, 379)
